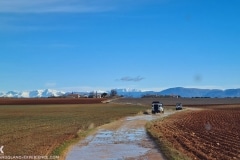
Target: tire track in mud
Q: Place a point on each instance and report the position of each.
(125, 139)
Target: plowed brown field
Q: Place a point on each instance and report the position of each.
(32, 101)
(204, 134)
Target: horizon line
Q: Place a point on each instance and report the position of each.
(127, 88)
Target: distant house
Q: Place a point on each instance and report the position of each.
(85, 96)
(95, 95)
(98, 95)
(72, 95)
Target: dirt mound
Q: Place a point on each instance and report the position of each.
(204, 134)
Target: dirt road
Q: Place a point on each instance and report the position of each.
(125, 139)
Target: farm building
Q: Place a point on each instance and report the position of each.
(73, 96)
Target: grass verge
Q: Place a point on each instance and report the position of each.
(63, 148)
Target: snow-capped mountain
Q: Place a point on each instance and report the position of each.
(183, 92)
(128, 92)
(135, 93)
(33, 94)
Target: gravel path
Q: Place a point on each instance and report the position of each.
(125, 139)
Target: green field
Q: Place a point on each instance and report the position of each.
(46, 129)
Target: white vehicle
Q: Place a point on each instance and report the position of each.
(157, 107)
(179, 106)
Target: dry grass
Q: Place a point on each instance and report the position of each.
(40, 129)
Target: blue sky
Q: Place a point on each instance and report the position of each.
(80, 45)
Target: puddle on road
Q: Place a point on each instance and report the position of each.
(123, 143)
(107, 151)
(143, 117)
(119, 136)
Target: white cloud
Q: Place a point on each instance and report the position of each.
(16, 19)
(133, 79)
(46, 6)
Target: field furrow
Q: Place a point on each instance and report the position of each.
(204, 134)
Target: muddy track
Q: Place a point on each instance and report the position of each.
(125, 139)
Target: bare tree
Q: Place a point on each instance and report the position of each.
(104, 95)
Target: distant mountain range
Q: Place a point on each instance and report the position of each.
(180, 91)
(194, 92)
(32, 94)
(183, 92)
